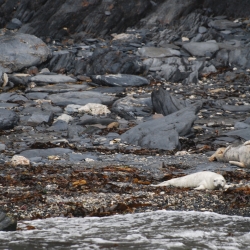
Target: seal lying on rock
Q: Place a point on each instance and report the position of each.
(239, 156)
(199, 180)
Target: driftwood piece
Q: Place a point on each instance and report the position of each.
(239, 156)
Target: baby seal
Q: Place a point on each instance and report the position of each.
(239, 156)
(199, 181)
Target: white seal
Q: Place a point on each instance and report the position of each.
(199, 180)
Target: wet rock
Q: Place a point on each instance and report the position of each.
(121, 80)
(165, 103)
(163, 133)
(21, 50)
(206, 49)
(8, 119)
(52, 78)
(7, 223)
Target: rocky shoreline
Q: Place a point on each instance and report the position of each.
(99, 119)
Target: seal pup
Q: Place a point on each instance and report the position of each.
(198, 181)
(239, 156)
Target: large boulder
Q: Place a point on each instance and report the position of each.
(163, 133)
(7, 223)
(18, 51)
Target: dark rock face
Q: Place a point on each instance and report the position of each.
(229, 7)
(46, 18)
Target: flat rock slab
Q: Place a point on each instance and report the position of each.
(201, 48)
(40, 117)
(60, 88)
(80, 98)
(224, 24)
(240, 133)
(8, 119)
(45, 152)
(158, 52)
(240, 108)
(52, 78)
(163, 133)
(22, 50)
(120, 80)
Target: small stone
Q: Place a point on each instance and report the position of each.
(113, 125)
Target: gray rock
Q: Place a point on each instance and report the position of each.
(45, 152)
(36, 95)
(59, 88)
(21, 50)
(202, 29)
(163, 133)
(223, 24)
(7, 223)
(164, 103)
(52, 78)
(157, 52)
(240, 108)
(41, 117)
(241, 125)
(130, 108)
(59, 126)
(120, 80)
(2, 147)
(14, 24)
(8, 119)
(240, 57)
(240, 133)
(201, 48)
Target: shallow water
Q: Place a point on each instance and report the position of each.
(152, 230)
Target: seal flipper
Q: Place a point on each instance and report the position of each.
(201, 187)
(237, 163)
